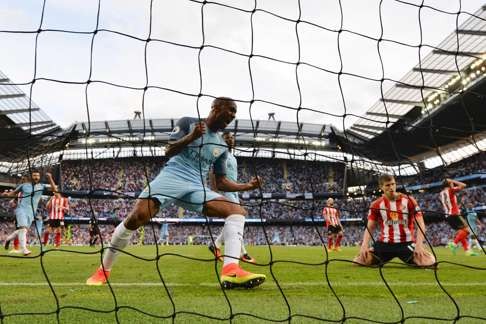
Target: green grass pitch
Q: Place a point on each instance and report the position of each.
(305, 294)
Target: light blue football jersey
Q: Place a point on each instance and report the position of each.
(31, 195)
(195, 160)
(232, 174)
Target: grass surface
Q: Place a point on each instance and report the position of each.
(305, 294)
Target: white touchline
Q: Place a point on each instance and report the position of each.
(282, 283)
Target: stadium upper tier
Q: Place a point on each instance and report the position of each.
(249, 133)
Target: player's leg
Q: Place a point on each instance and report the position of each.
(244, 254)
(216, 247)
(47, 233)
(12, 236)
(330, 237)
(57, 236)
(339, 237)
(376, 255)
(24, 220)
(143, 210)
(406, 253)
(232, 275)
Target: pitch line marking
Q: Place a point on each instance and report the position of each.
(209, 284)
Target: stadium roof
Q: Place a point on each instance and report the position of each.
(25, 129)
(256, 133)
(448, 68)
(437, 107)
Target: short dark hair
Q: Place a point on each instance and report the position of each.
(34, 171)
(445, 183)
(222, 101)
(385, 178)
(227, 133)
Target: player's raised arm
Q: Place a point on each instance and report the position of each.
(51, 182)
(456, 185)
(181, 136)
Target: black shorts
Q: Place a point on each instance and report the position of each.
(456, 222)
(331, 229)
(384, 252)
(55, 223)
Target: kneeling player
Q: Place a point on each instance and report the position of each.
(395, 214)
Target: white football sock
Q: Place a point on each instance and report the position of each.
(13, 235)
(119, 240)
(219, 240)
(23, 238)
(233, 237)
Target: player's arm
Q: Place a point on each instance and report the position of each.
(370, 228)
(414, 209)
(49, 203)
(456, 185)
(324, 215)
(226, 185)
(51, 182)
(181, 136)
(11, 193)
(66, 206)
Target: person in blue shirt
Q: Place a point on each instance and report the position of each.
(30, 195)
(194, 147)
(474, 225)
(232, 174)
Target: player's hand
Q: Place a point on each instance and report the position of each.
(420, 251)
(364, 257)
(198, 130)
(255, 182)
(49, 175)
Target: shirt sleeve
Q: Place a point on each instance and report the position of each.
(181, 129)
(414, 208)
(454, 190)
(374, 212)
(220, 164)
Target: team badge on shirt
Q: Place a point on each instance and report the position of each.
(176, 130)
(216, 151)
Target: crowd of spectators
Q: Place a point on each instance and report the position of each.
(472, 165)
(129, 176)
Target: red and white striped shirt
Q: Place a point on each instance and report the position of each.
(449, 201)
(395, 218)
(58, 205)
(331, 215)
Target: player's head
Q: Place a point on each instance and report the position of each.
(387, 185)
(330, 202)
(229, 138)
(223, 111)
(446, 183)
(35, 175)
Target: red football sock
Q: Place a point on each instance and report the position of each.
(16, 243)
(46, 238)
(461, 236)
(329, 242)
(338, 240)
(58, 239)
